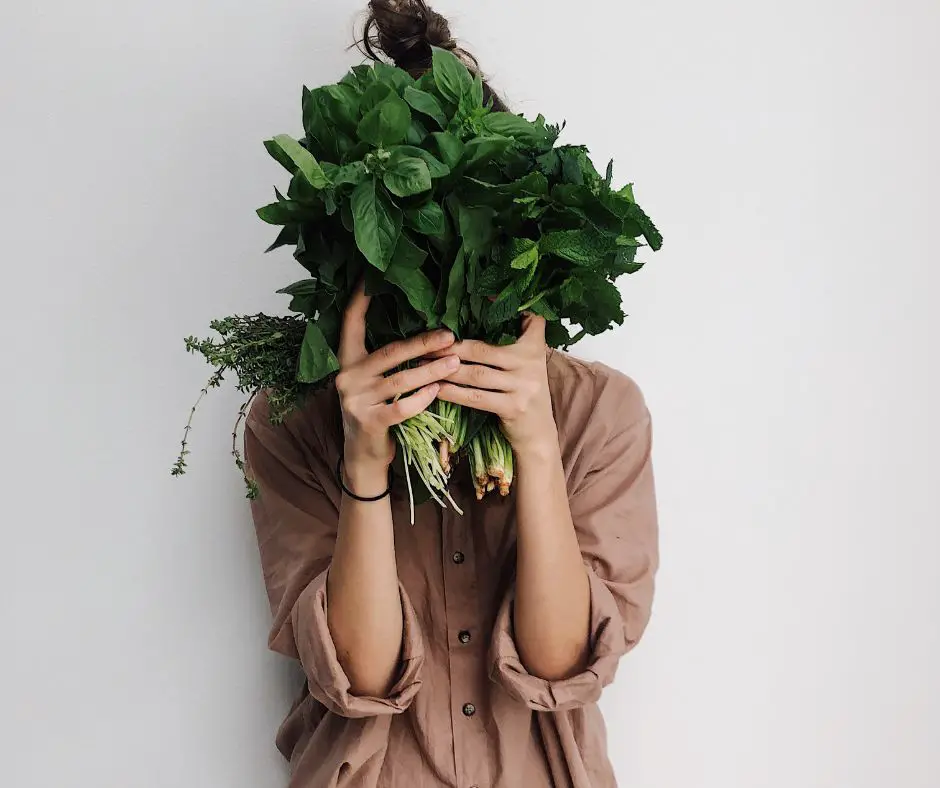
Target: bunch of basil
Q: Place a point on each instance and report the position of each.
(455, 215)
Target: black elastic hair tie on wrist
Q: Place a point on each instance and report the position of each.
(361, 498)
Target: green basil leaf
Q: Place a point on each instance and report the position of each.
(456, 290)
(303, 159)
(374, 95)
(302, 287)
(428, 219)
(417, 132)
(436, 167)
(418, 289)
(409, 321)
(359, 77)
(449, 146)
(329, 121)
(426, 83)
(305, 304)
(476, 227)
(426, 104)
(340, 106)
(386, 123)
(484, 149)
(377, 223)
(317, 359)
(301, 190)
(468, 110)
(280, 156)
(290, 234)
(450, 74)
(406, 175)
(284, 212)
(407, 254)
(393, 76)
(476, 91)
(354, 173)
(507, 124)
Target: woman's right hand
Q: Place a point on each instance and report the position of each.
(367, 395)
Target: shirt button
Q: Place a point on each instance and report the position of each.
(469, 709)
(463, 636)
(458, 557)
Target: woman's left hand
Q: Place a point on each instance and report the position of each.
(510, 381)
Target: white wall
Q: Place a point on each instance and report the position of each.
(786, 338)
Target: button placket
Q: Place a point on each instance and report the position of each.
(467, 679)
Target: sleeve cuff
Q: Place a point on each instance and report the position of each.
(608, 643)
(326, 678)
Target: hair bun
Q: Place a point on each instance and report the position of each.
(404, 31)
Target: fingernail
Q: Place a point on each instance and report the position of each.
(452, 362)
(445, 334)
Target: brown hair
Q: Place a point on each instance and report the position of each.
(404, 32)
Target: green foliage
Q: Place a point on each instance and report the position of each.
(386, 123)
(451, 76)
(456, 215)
(301, 158)
(317, 359)
(467, 215)
(377, 223)
(407, 175)
(426, 104)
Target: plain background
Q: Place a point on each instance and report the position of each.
(786, 338)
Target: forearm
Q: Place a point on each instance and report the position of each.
(364, 607)
(551, 617)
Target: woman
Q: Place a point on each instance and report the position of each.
(461, 651)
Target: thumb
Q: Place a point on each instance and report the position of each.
(352, 340)
(533, 328)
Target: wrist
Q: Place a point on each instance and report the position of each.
(537, 450)
(365, 476)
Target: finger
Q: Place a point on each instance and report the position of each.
(478, 399)
(480, 376)
(473, 350)
(406, 407)
(397, 353)
(533, 329)
(352, 342)
(407, 380)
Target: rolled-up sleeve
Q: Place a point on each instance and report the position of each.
(296, 523)
(613, 509)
